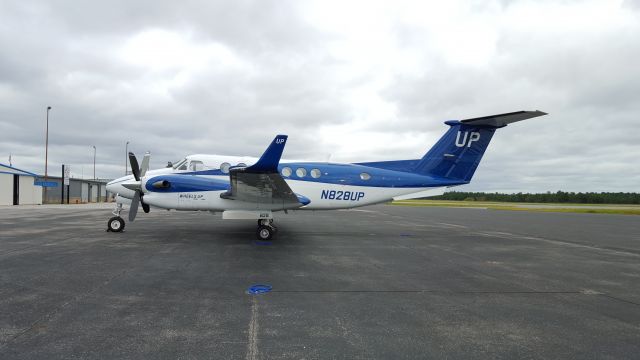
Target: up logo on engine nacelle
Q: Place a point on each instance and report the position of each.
(467, 139)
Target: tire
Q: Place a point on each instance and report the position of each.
(116, 224)
(264, 233)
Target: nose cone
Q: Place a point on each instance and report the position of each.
(116, 187)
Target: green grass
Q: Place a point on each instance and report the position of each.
(564, 208)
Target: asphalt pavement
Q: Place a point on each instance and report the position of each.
(385, 282)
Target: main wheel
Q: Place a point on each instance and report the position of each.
(116, 224)
(265, 232)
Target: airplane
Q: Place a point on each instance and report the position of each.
(254, 188)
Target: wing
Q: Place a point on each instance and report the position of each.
(261, 183)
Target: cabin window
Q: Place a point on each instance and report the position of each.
(301, 172)
(315, 173)
(224, 167)
(286, 171)
(196, 165)
(365, 176)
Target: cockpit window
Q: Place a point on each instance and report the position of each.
(181, 165)
(196, 165)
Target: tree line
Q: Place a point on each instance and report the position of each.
(548, 197)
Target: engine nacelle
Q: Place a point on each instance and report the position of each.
(161, 184)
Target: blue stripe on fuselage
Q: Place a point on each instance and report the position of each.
(182, 183)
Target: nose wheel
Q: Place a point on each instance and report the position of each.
(115, 224)
(266, 229)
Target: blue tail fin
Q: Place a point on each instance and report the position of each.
(457, 154)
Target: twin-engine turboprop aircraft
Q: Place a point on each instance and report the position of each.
(252, 188)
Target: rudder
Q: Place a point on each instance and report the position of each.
(457, 154)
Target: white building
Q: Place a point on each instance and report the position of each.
(17, 187)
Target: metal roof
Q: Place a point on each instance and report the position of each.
(7, 169)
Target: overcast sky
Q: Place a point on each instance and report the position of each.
(348, 81)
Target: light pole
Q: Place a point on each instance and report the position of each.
(46, 154)
(94, 162)
(126, 158)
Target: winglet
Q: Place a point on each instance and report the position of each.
(271, 158)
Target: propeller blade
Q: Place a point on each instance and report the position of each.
(133, 210)
(145, 164)
(135, 169)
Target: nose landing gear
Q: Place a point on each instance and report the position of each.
(116, 223)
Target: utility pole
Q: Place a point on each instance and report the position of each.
(126, 158)
(94, 162)
(46, 155)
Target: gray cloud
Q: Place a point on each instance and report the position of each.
(224, 77)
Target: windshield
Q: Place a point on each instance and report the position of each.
(182, 165)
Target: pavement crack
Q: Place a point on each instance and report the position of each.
(252, 346)
(427, 292)
(619, 299)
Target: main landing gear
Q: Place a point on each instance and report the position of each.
(266, 229)
(116, 223)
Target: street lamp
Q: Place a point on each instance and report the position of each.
(126, 158)
(94, 162)
(46, 154)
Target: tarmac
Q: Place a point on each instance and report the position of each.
(381, 282)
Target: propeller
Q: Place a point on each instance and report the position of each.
(138, 173)
(135, 169)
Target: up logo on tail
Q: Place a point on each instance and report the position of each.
(467, 139)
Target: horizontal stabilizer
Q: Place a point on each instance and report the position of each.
(501, 120)
(269, 161)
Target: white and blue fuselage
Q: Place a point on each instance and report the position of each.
(197, 182)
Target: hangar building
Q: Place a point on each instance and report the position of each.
(18, 187)
(81, 191)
